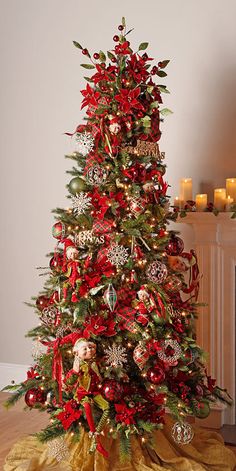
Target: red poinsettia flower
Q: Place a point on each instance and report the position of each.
(31, 374)
(70, 414)
(110, 328)
(91, 97)
(137, 68)
(94, 325)
(100, 204)
(123, 48)
(104, 74)
(125, 414)
(128, 100)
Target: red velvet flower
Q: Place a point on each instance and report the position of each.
(91, 97)
(124, 414)
(128, 100)
(70, 414)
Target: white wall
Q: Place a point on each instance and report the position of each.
(40, 99)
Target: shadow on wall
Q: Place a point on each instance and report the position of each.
(217, 159)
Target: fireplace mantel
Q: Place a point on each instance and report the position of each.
(215, 245)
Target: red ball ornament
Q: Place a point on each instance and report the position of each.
(96, 55)
(112, 390)
(42, 302)
(120, 27)
(116, 38)
(56, 263)
(155, 375)
(85, 52)
(58, 230)
(175, 246)
(34, 396)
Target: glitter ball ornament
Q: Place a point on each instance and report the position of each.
(171, 351)
(201, 409)
(182, 433)
(117, 255)
(137, 206)
(110, 297)
(96, 175)
(49, 316)
(112, 390)
(42, 302)
(58, 449)
(157, 272)
(76, 185)
(155, 375)
(115, 355)
(58, 230)
(34, 396)
(172, 284)
(175, 246)
(140, 355)
(81, 203)
(85, 143)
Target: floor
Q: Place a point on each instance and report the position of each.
(16, 423)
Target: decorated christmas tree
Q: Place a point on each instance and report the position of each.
(115, 349)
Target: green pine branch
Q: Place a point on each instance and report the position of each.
(50, 432)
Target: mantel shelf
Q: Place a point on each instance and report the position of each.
(201, 217)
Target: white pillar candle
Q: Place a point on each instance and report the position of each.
(186, 191)
(228, 202)
(219, 198)
(201, 202)
(231, 188)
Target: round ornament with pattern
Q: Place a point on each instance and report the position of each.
(96, 175)
(157, 272)
(182, 433)
(49, 316)
(58, 230)
(175, 246)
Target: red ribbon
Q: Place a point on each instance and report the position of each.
(57, 366)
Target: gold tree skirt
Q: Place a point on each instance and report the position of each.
(206, 452)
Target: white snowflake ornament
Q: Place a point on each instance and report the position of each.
(85, 143)
(58, 449)
(115, 355)
(117, 255)
(81, 202)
